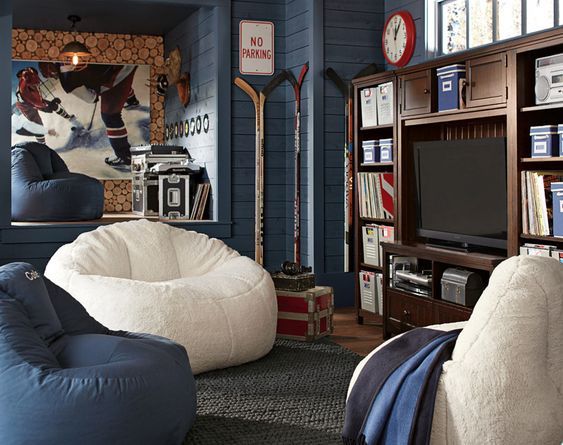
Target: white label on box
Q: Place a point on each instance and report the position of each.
(447, 86)
(256, 47)
(540, 147)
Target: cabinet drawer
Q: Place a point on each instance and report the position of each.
(445, 313)
(409, 311)
(486, 81)
(416, 93)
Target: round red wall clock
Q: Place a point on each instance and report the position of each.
(399, 38)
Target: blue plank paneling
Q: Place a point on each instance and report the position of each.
(352, 39)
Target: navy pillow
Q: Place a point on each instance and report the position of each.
(22, 282)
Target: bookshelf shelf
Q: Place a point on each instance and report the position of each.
(453, 116)
(371, 267)
(546, 239)
(378, 220)
(554, 160)
(377, 164)
(541, 107)
(377, 127)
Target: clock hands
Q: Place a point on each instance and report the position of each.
(396, 30)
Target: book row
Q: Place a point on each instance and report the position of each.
(376, 195)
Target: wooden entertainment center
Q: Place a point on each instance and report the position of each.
(500, 102)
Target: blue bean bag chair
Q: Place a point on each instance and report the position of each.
(44, 190)
(66, 379)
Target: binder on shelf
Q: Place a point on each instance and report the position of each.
(367, 291)
(557, 191)
(379, 283)
(385, 103)
(386, 235)
(370, 237)
(369, 107)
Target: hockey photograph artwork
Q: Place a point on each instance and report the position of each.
(90, 115)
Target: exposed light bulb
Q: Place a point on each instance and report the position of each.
(75, 59)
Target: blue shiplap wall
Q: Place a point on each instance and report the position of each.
(416, 8)
(243, 141)
(197, 43)
(352, 40)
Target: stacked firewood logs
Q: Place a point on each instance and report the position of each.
(117, 195)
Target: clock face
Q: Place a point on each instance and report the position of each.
(398, 38)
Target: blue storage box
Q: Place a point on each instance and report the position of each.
(560, 132)
(371, 151)
(386, 150)
(449, 78)
(545, 141)
(557, 190)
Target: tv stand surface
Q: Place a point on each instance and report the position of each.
(472, 260)
(456, 248)
(404, 310)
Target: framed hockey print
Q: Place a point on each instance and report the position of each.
(90, 117)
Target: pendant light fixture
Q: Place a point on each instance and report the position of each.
(75, 53)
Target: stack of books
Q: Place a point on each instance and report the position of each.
(537, 206)
(200, 201)
(376, 195)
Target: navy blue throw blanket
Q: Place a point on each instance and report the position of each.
(392, 401)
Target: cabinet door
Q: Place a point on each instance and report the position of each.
(409, 312)
(486, 81)
(416, 93)
(445, 313)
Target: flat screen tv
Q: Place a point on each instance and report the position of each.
(461, 191)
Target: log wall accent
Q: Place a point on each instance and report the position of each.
(30, 44)
(117, 195)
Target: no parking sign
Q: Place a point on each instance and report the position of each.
(256, 47)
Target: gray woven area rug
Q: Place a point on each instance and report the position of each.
(294, 395)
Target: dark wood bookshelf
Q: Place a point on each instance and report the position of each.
(499, 103)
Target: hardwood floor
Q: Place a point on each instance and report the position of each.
(361, 339)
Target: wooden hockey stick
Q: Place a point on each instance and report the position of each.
(245, 86)
(259, 100)
(297, 83)
(346, 90)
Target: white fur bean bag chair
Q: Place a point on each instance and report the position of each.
(150, 277)
(504, 383)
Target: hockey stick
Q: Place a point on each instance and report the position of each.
(346, 90)
(92, 118)
(266, 91)
(259, 100)
(297, 83)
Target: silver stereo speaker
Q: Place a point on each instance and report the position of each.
(549, 79)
